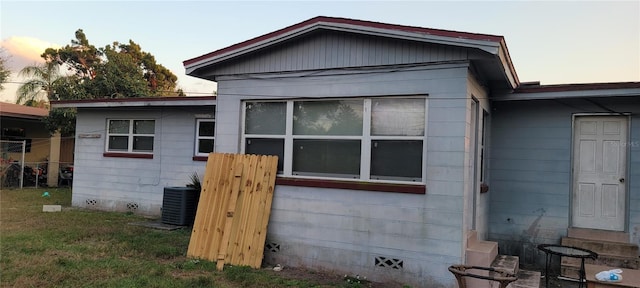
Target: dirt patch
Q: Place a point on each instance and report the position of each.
(327, 278)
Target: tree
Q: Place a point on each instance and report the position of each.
(80, 57)
(4, 71)
(39, 84)
(117, 70)
(114, 71)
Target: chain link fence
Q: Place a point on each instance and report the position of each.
(15, 172)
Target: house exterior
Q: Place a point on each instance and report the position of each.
(564, 159)
(128, 150)
(397, 145)
(20, 125)
(23, 123)
(378, 129)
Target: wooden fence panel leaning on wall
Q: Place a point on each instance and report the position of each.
(233, 212)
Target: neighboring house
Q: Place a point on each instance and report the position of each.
(128, 150)
(24, 123)
(394, 144)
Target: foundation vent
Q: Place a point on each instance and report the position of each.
(381, 261)
(272, 247)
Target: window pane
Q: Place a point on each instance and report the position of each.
(118, 143)
(397, 117)
(205, 145)
(142, 144)
(119, 126)
(143, 127)
(266, 147)
(339, 117)
(396, 159)
(206, 128)
(265, 118)
(339, 158)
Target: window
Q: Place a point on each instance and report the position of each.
(375, 139)
(130, 136)
(205, 136)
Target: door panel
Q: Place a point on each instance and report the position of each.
(599, 168)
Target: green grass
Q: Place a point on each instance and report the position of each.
(82, 248)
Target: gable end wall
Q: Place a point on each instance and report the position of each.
(332, 49)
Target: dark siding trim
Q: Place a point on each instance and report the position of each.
(128, 155)
(365, 186)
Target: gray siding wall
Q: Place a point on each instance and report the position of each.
(343, 230)
(531, 171)
(113, 183)
(331, 49)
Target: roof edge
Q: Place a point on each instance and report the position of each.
(136, 102)
(345, 21)
(572, 91)
(575, 87)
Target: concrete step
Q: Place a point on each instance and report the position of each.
(610, 253)
(507, 263)
(511, 264)
(598, 235)
(603, 247)
(606, 260)
(526, 279)
(481, 253)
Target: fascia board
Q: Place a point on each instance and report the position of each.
(629, 92)
(99, 104)
(507, 67)
(487, 46)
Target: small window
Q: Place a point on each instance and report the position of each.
(130, 136)
(205, 136)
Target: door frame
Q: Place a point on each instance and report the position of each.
(627, 160)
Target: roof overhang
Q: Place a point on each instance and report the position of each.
(136, 102)
(21, 111)
(568, 91)
(491, 44)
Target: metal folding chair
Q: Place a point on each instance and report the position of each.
(492, 274)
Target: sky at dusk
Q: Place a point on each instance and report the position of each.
(550, 42)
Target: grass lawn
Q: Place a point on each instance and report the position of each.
(81, 248)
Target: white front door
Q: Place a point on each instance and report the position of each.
(599, 171)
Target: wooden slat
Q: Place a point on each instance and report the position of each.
(220, 208)
(200, 224)
(234, 208)
(248, 224)
(260, 235)
(233, 197)
(239, 232)
(212, 209)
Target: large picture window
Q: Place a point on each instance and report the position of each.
(205, 136)
(130, 136)
(374, 139)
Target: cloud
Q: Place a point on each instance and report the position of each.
(24, 51)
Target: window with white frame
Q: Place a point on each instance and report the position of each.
(374, 139)
(205, 136)
(130, 135)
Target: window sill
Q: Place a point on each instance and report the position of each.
(366, 186)
(128, 155)
(200, 158)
